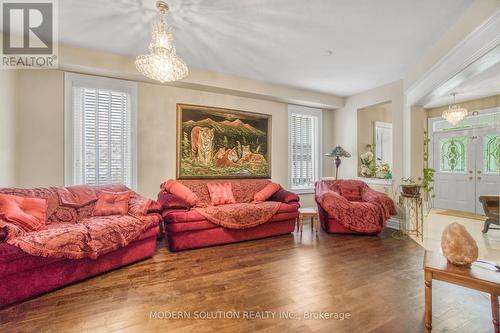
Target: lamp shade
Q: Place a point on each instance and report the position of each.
(338, 152)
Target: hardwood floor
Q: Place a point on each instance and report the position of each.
(377, 280)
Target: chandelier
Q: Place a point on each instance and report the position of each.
(162, 63)
(455, 113)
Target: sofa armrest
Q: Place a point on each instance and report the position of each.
(285, 196)
(380, 199)
(171, 201)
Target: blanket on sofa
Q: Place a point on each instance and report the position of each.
(367, 217)
(240, 215)
(72, 230)
(90, 238)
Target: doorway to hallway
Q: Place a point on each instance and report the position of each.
(466, 161)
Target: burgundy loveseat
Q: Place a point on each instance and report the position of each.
(343, 214)
(186, 228)
(24, 275)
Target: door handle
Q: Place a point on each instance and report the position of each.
(470, 171)
(479, 171)
(478, 177)
(471, 178)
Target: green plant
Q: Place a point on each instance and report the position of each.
(428, 173)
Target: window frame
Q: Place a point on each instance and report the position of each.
(317, 150)
(96, 82)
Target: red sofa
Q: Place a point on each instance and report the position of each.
(367, 214)
(185, 228)
(23, 275)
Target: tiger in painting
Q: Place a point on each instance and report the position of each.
(202, 144)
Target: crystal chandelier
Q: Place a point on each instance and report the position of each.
(162, 63)
(455, 113)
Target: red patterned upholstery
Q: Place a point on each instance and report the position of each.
(339, 215)
(124, 239)
(186, 228)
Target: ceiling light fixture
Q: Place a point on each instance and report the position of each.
(162, 63)
(455, 113)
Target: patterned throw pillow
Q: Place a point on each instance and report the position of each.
(221, 194)
(112, 203)
(180, 190)
(29, 214)
(350, 192)
(267, 192)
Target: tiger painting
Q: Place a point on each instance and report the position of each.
(201, 144)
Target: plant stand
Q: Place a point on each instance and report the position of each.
(413, 217)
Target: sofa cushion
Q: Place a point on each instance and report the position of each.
(171, 201)
(30, 214)
(189, 220)
(221, 194)
(243, 189)
(180, 190)
(112, 203)
(266, 192)
(350, 191)
(14, 260)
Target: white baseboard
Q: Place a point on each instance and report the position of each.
(393, 223)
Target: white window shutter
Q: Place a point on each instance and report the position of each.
(101, 133)
(304, 141)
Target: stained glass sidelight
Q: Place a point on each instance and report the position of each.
(491, 153)
(452, 154)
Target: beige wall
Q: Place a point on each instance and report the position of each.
(40, 152)
(40, 128)
(366, 123)
(8, 98)
(345, 126)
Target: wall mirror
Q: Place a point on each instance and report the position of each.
(375, 141)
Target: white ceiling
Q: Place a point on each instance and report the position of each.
(484, 84)
(335, 46)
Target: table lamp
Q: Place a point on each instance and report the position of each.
(338, 152)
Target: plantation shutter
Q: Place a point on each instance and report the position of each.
(102, 135)
(302, 157)
(304, 149)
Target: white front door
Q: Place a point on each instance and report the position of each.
(454, 164)
(467, 164)
(487, 165)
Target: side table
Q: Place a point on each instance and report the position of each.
(436, 267)
(312, 213)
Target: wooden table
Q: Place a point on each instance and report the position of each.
(312, 213)
(437, 267)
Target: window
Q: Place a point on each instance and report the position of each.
(305, 146)
(100, 126)
(453, 154)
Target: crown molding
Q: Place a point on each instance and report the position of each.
(477, 44)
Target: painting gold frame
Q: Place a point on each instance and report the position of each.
(221, 112)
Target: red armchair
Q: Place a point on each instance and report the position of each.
(351, 207)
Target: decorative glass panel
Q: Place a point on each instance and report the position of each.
(481, 120)
(491, 153)
(452, 154)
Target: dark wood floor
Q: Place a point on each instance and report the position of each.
(377, 280)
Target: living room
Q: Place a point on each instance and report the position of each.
(251, 166)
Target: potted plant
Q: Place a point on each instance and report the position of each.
(410, 187)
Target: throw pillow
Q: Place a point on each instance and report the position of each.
(350, 192)
(267, 192)
(29, 214)
(181, 190)
(112, 203)
(221, 194)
